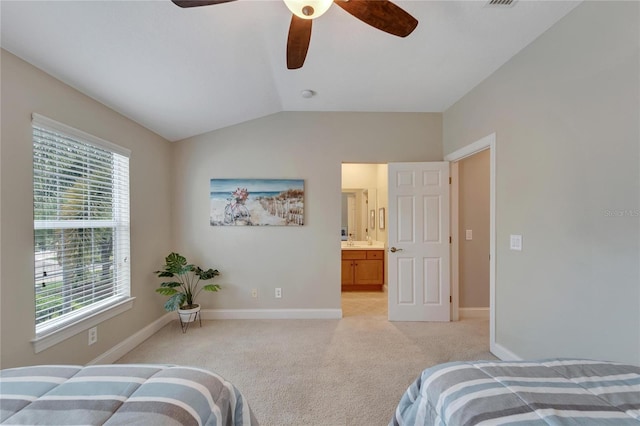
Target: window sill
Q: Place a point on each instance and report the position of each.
(45, 341)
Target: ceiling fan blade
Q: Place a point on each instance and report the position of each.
(196, 3)
(298, 41)
(381, 14)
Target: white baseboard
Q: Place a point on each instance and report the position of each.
(122, 348)
(503, 353)
(475, 313)
(221, 314)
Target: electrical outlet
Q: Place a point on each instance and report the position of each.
(278, 293)
(254, 293)
(93, 335)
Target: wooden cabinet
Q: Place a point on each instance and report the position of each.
(362, 270)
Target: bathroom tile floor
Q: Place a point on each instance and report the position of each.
(364, 303)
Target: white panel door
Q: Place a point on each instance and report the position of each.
(419, 251)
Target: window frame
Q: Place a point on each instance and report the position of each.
(52, 332)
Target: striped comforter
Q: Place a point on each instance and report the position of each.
(549, 392)
(120, 395)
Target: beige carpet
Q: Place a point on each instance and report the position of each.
(351, 371)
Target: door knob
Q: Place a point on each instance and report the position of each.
(393, 249)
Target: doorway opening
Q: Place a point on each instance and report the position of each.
(363, 242)
(486, 143)
(470, 190)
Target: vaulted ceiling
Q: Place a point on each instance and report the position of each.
(182, 72)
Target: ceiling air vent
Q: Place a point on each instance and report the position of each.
(500, 3)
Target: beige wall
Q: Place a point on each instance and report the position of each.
(359, 175)
(26, 90)
(566, 111)
(473, 199)
(303, 261)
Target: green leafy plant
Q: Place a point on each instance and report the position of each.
(185, 287)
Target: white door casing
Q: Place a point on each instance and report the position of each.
(419, 250)
(489, 142)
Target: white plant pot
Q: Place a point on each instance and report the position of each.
(189, 315)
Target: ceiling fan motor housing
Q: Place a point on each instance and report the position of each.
(308, 9)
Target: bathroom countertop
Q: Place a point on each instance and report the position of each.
(363, 245)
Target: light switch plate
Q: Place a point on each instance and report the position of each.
(469, 234)
(516, 242)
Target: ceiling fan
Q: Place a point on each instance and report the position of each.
(380, 14)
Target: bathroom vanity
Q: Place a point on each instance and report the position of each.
(362, 267)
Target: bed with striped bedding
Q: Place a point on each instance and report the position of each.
(548, 392)
(120, 394)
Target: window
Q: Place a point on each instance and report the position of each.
(81, 227)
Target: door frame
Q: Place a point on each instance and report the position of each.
(487, 142)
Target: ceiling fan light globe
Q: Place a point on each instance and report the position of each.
(308, 9)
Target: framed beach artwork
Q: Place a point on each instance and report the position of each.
(256, 202)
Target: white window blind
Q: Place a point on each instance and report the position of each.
(81, 225)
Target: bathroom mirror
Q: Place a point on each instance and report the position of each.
(357, 203)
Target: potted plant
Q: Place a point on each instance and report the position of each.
(185, 286)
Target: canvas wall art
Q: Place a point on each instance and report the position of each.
(256, 202)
